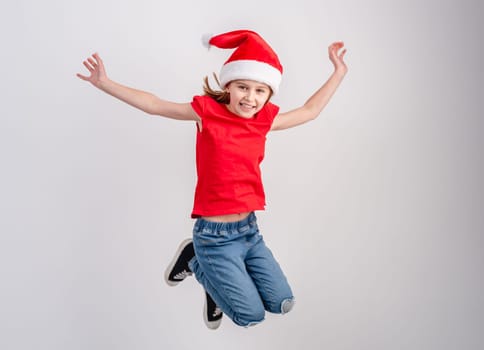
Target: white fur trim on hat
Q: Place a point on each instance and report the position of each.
(251, 70)
(206, 39)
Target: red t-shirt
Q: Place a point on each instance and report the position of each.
(229, 151)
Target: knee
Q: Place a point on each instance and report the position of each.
(280, 306)
(287, 305)
(249, 318)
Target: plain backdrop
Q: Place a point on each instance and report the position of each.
(375, 210)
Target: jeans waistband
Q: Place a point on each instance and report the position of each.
(202, 224)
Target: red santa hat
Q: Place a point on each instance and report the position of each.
(253, 58)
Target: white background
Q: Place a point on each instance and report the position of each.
(375, 210)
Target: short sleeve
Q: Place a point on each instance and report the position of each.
(271, 110)
(199, 105)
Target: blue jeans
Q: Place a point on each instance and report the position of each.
(239, 272)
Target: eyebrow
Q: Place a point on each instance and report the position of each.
(257, 86)
(261, 86)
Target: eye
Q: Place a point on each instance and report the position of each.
(242, 87)
(261, 91)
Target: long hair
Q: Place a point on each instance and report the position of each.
(220, 96)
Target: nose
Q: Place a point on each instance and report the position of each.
(250, 94)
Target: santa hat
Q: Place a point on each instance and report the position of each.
(253, 58)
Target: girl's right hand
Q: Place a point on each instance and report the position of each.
(95, 66)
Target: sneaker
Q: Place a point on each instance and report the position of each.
(212, 315)
(178, 269)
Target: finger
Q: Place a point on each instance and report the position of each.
(334, 48)
(97, 57)
(342, 54)
(83, 77)
(88, 66)
(333, 52)
(92, 62)
(337, 44)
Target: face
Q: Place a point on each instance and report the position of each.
(247, 97)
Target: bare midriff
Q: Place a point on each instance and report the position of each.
(227, 218)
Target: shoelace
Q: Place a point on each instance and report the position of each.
(182, 275)
(217, 312)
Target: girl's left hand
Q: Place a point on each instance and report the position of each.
(337, 57)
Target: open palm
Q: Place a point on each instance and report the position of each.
(95, 66)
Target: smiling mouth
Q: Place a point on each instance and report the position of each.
(246, 105)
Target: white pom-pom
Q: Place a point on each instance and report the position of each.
(206, 40)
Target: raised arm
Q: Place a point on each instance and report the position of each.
(315, 104)
(142, 100)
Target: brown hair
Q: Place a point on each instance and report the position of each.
(220, 96)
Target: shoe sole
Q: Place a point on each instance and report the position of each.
(173, 262)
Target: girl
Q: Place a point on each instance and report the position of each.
(228, 255)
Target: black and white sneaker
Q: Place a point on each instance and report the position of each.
(178, 269)
(212, 315)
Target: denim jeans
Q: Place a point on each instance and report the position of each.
(239, 272)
